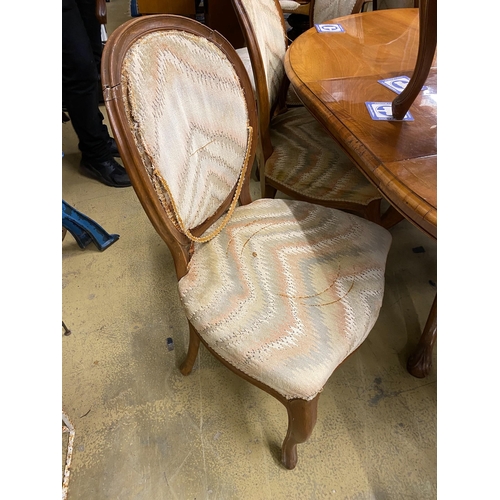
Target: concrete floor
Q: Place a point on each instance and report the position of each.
(143, 431)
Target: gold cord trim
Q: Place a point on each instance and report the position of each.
(232, 207)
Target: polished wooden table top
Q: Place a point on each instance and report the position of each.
(335, 74)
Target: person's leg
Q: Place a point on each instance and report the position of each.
(92, 27)
(79, 85)
(80, 95)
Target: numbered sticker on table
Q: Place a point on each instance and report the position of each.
(329, 28)
(397, 84)
(383, 111)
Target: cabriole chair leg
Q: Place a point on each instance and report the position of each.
(302, 417)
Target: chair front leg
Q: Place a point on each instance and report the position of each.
(302, 417)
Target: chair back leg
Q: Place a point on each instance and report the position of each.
(372, 211)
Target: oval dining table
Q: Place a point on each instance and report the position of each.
(335, 73)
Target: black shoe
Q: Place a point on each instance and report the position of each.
(113, 148)
(108, 172)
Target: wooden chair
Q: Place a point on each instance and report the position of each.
(323, 10)
(298, 157)
(280, 291)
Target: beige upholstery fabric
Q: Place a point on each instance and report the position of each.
(186, 108)
(325, 10)
(291, 98)
(307, 160)
(287, 291)
(245, 59)
(265, 18)
(289, 5)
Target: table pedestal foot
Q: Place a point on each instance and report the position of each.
(420, 362)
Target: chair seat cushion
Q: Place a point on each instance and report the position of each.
(287, 291)
(309, 162)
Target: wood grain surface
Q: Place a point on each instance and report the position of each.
(335, 74)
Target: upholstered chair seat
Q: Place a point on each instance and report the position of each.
(287, 291)
(320, 170)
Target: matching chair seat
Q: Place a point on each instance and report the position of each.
(320, 170)
(287, 291)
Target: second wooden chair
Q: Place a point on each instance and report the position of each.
(298, 156)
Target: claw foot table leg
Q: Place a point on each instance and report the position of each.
(420, 362)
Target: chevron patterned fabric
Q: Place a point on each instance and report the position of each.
(287, 291)
(308, 161)
(187, 110)
(266, 22)
(291, 99)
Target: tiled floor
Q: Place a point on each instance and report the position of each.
(143, 431)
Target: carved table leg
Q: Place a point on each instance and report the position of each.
(426, 50)
(420, 362)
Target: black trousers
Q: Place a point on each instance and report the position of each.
(81, 59)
